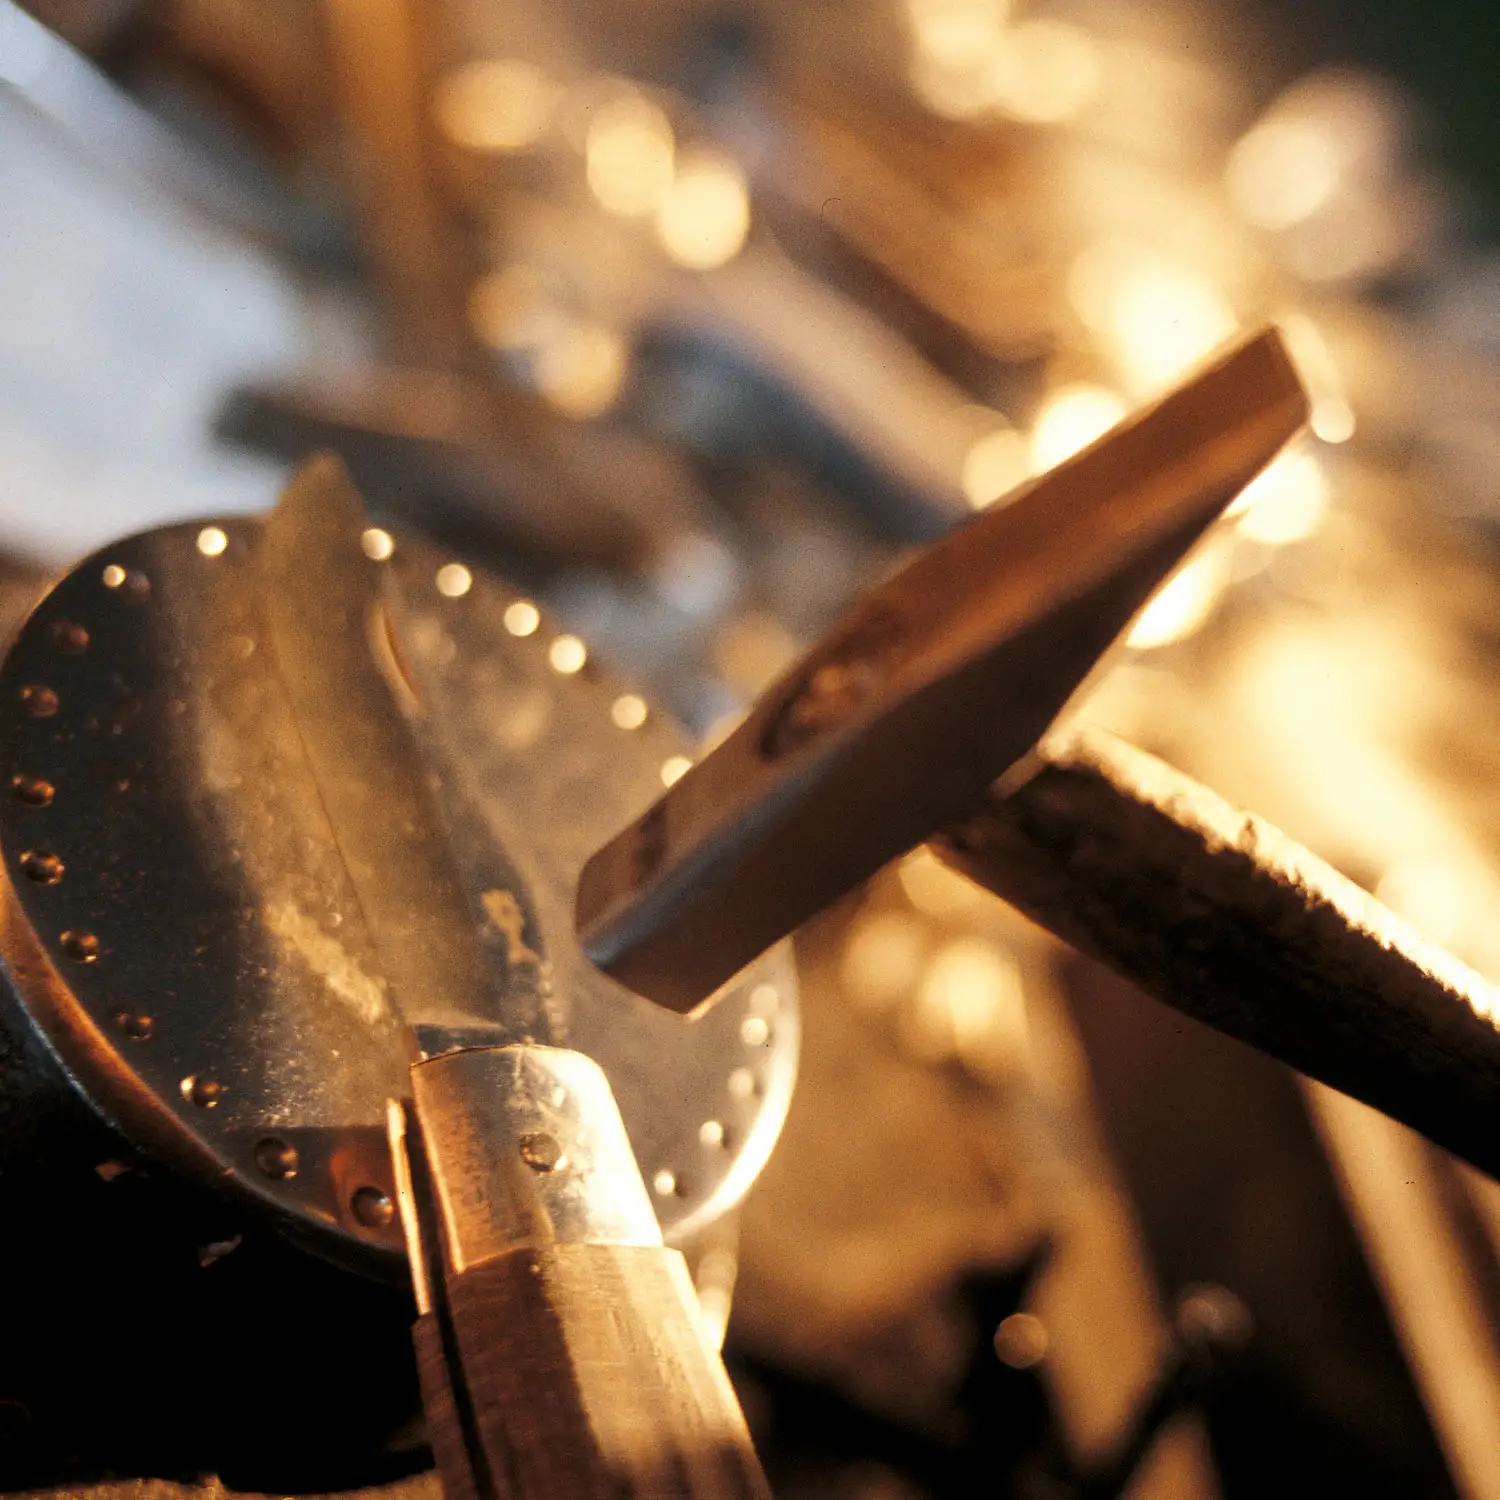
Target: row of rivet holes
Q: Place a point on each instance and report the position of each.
(370, 1205)
(567, 655)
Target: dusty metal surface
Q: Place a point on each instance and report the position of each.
(192, 950)
(1218, 913)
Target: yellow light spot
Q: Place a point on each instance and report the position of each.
(212, 541)
(581, 370)
(1432, 896)
(497, 104)
(454, 580)
(704, 218)
(953, 93)
(629, 711)
(882, 959)
(113, 576)
(755, 1031)
(664, 1184)
(628, 155)
(742, 1083)
(1070, 419)
(1283, 171)
(1044, 71)
(711, 1133)
(994, 465)
(1182, 604)
(764, 1001)
(1331, 418)
(567, 655)
(378, 545)
(522, 617)
(517, 309)
(970, 1004)
(674, 768)
(951, 34)
(1155, 319)
(935, 890)
(1286, 501)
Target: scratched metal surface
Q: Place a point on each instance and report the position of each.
(220, 987)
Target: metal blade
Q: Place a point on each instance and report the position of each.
(321, 600)
(927, 690)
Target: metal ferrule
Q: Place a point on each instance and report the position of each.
(526, 1146)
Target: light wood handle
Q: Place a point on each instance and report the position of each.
(589, 1378)
(563, 1355)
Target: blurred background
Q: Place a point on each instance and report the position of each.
(688, 318)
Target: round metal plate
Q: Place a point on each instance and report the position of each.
(177, 928)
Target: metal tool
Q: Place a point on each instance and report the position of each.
(914, 716)
(191, 977)
(559, 1340)
(927, 690)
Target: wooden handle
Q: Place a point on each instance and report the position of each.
(1224, 917)
(562, 1349)
(589, 1378)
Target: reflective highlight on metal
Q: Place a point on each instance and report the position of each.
(479, 1110)
(169, 787)
(930, 687)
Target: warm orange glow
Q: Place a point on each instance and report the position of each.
(1044, 71)
(628, 154)
(1286, 501)
(1070, 419)
(995, 464)
(704, 218)
(496, 104)
(1183, 603)
(581, 370)
(1283, 171)
(1331, 418)
(1155, 319)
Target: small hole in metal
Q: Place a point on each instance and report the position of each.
(34, 791)
(541, 1152)
(372, 1207)
(82, 947)
(39, 702)
(136, 1026)
(70, 637)
(202, 1091)
(42, 867)
(277, 1159)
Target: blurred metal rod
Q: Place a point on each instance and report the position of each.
(1220, 915)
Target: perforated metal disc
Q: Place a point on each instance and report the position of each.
(180, 933)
